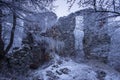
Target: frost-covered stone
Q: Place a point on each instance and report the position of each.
(20, 60)
(40, 46)
(51, 75)
(63, 31)
(101, 75)
(79, 34)
(114, 55)
(40, 21)
(66, 25)
(82, 33)
(95, 34)
(65, 70)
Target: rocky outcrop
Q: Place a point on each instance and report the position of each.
(40, 21)
(38, 44)
(96, 40)
(101, 37)
(63, 31)
(19, 60)
(66, 26)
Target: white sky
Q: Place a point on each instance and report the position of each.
(62, 9)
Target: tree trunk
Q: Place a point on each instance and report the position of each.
(2, 52)
(12, 34)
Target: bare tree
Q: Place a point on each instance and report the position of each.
(108, 6)
(1, 40)
(16, 9)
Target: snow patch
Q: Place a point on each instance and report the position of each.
(75, 71)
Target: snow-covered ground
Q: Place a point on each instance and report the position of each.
(67, 69)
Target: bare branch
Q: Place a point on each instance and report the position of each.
(113, 5)
(71, 4)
